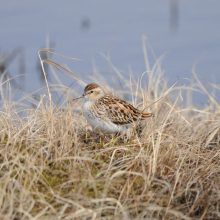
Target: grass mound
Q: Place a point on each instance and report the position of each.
(52, 166)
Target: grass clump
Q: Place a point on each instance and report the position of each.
(52, 166)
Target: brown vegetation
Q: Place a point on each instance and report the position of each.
(53, 167)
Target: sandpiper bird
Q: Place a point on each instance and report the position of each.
(107, 113)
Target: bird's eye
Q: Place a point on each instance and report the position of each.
(91, 91)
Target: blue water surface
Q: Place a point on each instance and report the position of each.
(85, 29)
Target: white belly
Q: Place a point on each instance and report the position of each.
(103, 125)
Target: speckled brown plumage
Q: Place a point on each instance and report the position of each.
(108, 113)
(119, 111)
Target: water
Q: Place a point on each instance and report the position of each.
(84, 29)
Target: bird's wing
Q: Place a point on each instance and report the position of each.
(119, 111)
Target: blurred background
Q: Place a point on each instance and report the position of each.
(182, 30)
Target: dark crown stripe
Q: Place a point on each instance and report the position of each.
(91, 86)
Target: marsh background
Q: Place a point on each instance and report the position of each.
(52, 166)
(187, 30)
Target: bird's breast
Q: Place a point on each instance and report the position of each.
(89, 109)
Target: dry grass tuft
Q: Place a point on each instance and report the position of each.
(53, 167)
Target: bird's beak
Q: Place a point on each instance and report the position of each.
(79, 97)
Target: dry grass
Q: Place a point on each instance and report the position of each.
(53, 167)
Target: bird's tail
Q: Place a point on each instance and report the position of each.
(146, 115)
